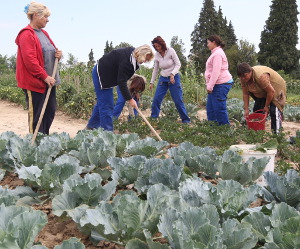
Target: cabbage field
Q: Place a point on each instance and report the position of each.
(105, 190)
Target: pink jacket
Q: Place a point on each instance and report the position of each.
(216, 69)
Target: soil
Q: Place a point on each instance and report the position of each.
(14, 118)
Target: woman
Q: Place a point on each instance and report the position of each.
(168, 62)
(35, 61)
(267, 88)
(136, 85)
(218, 81)
(115, 69)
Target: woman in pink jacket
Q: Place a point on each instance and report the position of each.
(218, 81)
(35, 62)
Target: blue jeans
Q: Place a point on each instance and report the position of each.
(176, 93)
(103, 109)
(216, 108)
(120, 105)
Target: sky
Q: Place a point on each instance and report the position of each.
(76, 27)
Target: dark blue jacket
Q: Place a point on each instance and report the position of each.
(116, 68)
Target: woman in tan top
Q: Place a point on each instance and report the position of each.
(267, 88)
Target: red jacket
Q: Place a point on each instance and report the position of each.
(30, 73)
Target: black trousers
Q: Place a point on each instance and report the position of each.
(275, 114)
(35, 103)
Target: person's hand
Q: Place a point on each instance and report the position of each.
(58, 54)
(50, 81)
(132, 103)
(246, 113)
(172, 80)
(266, 109)
(151, 86)
(209, 91)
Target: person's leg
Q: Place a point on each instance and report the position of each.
(119, 104)
(176, 94)
(218, 103)
(276, 118)
(259, 103)
(94, 121)
(106, 108)
(49, 111)
(134, 110)
(35, 101)
(210, 113)
(161, 90)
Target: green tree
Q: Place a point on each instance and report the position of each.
(4, 65)
(72, 61)
(210, 23)
(123, 45)
(226, 31)
(206, 26)
(91, 61)
(108, 47)
(238, 53)
(231, 37)
(12, 62)
(280, 37)
(178, 46)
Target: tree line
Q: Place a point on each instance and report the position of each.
(277, 47)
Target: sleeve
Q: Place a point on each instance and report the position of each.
(264, 80)
(28, 50)
(176, 61)
(216, 65)
(154, 72)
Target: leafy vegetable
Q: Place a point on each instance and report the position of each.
(283, 188)
(78, 191)
(231, 166)
(147, 147)
(19, 226)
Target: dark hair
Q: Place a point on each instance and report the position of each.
(161, 42)
(243, 68)
(137, 86)
(217, 40)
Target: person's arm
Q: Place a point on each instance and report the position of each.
(132, 103)
(154, 74)
(58, 54)
(177, 65)
(246, 100)
(268, 88)
(216, 65)
(29, 53)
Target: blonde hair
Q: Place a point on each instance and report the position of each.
(38, 8)
(141, 52)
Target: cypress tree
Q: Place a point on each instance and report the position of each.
(91, 61)
(108, 47)
(210, 23)
(178, 46)
(231, 37)
(280, 37)
(207, 25)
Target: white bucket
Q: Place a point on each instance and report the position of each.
(248, 152)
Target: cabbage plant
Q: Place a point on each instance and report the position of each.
(127, 216)
(232, 167)
(147, 147)
(78, 191)
(19, 226)
(284, 188)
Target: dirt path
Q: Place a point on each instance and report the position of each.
(14, 118)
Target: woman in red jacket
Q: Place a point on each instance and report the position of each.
(35, 61)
